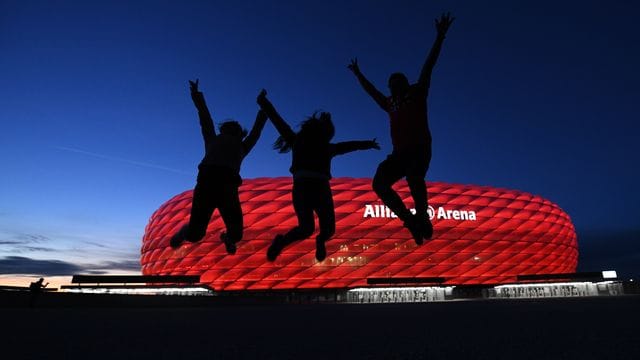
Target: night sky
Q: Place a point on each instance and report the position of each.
(98, 129)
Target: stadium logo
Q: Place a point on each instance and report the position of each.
(442, 213)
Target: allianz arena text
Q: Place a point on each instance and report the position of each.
(482, 235)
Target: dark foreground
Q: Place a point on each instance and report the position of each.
(579, 328)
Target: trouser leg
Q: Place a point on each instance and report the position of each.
(231, 213)
(326, 213)
(326, 220)
(417, 168)
(386, 175)
(303, 205)
(418, 190)
(202, 208)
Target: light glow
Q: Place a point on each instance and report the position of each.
(142, 291)
(408, 288)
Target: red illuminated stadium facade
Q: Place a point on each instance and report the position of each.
(482, 235)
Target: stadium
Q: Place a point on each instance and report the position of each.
(482, 236)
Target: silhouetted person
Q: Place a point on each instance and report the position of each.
(411, 138)
(219, 176)
(36, 288)
(312, 152)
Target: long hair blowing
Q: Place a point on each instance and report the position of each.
(232, 127)
(316, 129)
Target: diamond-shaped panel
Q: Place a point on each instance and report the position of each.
(481, 235)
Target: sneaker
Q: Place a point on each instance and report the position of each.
(275, 248)
(178, 238)
(228, 244)
(193, 240)
(175, 241)
(416, 230)
(321, 251)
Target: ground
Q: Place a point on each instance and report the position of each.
(194, 328)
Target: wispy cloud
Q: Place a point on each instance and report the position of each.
(23, 265)
(96, 244)
(19, 265)
(24, 243)
(27, 248)
(122, 160)
(10, 242)
(31, 238)
(124, 265)
(66, 246)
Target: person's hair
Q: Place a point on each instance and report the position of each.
(398, 76)
(232, 127)
(316, 129)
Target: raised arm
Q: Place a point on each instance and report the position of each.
(256, 130)
(377, 96)
(442, 26)
(283, 128)
(206, 122)
(349, 146)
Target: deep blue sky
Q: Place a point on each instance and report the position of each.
(98, 130)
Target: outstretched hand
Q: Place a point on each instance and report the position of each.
(194, 85)
(443, 23)
(374, 144)
(353, 66)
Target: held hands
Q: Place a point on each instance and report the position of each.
(353, 66)
(443, 23)
(262, 98)
(194, 85)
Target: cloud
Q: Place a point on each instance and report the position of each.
(128, 265)
(23, 238)
(96, 244)
(19, 265)
(26, 248)
(122, 160)
(31, 238)
(23, 265)
(25, 243)
(10, 242)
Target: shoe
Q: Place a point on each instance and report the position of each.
(175, 241)
(416, 230)
(321, 251)
(228, 244)
(275, 248)
(186, 238)
(177, 238)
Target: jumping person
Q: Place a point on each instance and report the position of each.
(411, 138)
(312, 152)
(219, 175)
